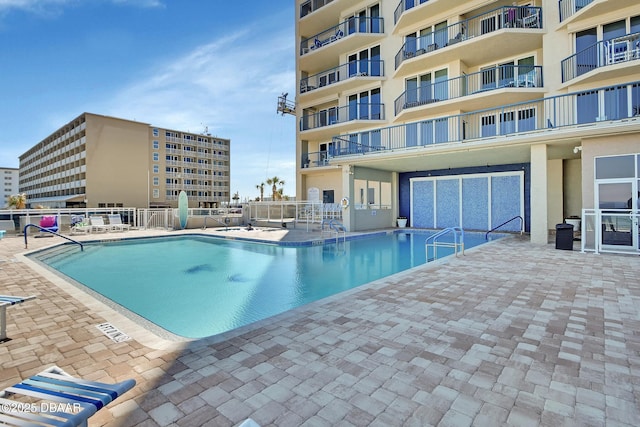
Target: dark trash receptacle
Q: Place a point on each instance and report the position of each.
(564, 236)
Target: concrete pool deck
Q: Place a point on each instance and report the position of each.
(510, 334)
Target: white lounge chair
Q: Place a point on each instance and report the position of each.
(57, 398)
(97, 224)
(7, 301)
(116, 222)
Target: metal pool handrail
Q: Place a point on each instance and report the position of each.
(433, 241)
(486, 236)
(48, 231)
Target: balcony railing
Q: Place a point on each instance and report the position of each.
(311, 6)
(568, 8)
(504, 76)
(494, 20)
(404, 6)
(601, 54)
(356, 24)
(336, 115)
(579, 108)
(341, 73)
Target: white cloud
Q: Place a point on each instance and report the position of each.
(230, 86)
(48, 7)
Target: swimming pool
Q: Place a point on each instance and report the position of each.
(196, 286)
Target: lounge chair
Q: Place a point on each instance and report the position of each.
(116, 222)
(80, 225)
(56, 399)
(49, 223)
(7, 301)
(97, 224)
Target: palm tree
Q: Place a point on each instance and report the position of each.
(274, 182)
(261, 188)
(18, 201)
(235, 198)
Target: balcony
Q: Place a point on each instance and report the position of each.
(616, 51)
(586, 111)
(485, 83)
(318, 14)
(328, 122)
(574, 11)
(356, 72)
(467, 40)
(570, 7)
(409, 12)
(346, 36)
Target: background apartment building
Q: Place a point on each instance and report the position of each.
(472, 112)
(100, 161)
(9, 183)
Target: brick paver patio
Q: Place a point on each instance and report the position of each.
(510, 334)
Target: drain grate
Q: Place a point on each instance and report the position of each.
(112, 332)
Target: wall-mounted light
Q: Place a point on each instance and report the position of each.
(577, 149)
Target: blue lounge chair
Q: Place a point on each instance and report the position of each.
(57, 399)
(7, 301)
(49, 223)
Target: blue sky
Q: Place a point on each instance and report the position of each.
(181, 64)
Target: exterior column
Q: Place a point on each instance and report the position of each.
(538, 202)
(347, 191)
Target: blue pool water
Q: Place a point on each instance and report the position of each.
(198, 286)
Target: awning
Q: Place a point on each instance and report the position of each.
(72, 198)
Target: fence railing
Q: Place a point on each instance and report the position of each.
(355, 24)
(347, 113)
(341, 73)
(595, 105)
(609, 230)
(526, 17)
(404, 6)
(293, 211)
(603, 53)
(23, 217)
(568, 8)
(503, 76)
(311, 6)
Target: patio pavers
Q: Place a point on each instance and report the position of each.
(510, 334)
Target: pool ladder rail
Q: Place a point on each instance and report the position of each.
(457, 244)
(335, 227)
(486, 236)
(44, 230)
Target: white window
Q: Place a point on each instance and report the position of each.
(156, 193)
(156, 144)
(156, 169)
(156, 157)
(156, 181)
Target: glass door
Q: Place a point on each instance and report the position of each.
(619, 214)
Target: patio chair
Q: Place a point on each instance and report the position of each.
(80, 225)
(56, 399)
(116, 222)
(97, 224)
(7, 301)
(49, 223)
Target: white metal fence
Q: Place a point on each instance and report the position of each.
(610, 230)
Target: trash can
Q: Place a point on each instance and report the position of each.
(564, 236)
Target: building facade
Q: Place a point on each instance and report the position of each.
(101, 161)
(9, 184)
(472, 113)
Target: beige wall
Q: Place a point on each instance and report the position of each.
(555, 206)
(331, 180)
(572, 187)
(117, 161)
(596, 147)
